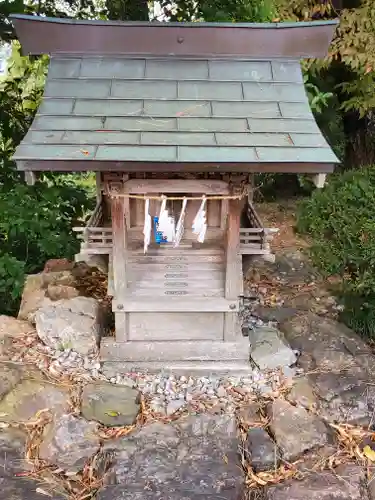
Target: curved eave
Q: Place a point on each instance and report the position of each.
(270, 40)
(122, 166)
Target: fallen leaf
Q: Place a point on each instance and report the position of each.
(40, 412)
(71, 473)
(369, 453)
(112, 413)
(43, 492)
(258, 480)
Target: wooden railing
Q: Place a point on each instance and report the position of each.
(95, 238)
(255, 240)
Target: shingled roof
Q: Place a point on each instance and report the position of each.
(99, 111)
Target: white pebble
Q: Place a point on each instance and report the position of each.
(158, 406)
(174, 406)
(129, 382)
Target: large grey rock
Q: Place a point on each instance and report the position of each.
(250, 415)
(14, 328)
(347, 483)
(11, 329)
(269, 349)
(371, 489)
(10, 376)
(58, 265)
(69, 442)
(329, 345)
(302, 394)
(277, 314)
(12, 452)
(60, 292)
(197, 457)
(27, 398)
(34, 291)
(169, 491)
(262, 451)
(110, 404)
(296, 431)
(12, 461)
(73, 323)
(33, 297)
(344, 397)
(147, 455)
(343, 366)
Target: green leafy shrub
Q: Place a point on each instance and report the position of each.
(341, 222)
(35, 221)
(35, 225)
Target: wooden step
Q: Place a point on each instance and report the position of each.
(173, 267)
(175, 259)
(195, 351)
(175, 304)
(186, 292)
(175, 326)
(178, 282)
(202, 368)
(181, 250)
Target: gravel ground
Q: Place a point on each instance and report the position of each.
(164, 392)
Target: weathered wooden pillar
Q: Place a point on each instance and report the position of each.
(233, 275)
(119, 263)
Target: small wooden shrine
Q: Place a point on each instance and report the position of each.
(175, 119)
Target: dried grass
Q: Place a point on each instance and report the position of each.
(351, 441)
(93, 283)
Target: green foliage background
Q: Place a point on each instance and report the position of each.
(35, 221)
(341, 221)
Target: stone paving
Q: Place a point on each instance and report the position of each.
(297, 427)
